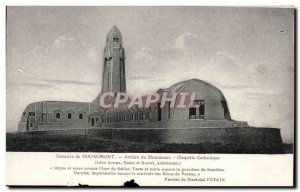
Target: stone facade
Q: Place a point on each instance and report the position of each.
(212, 111)
(47, 115)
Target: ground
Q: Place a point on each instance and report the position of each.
(78, 143)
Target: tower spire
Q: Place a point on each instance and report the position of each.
(113, 76)
(113, 35)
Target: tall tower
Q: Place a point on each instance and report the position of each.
(113, 77)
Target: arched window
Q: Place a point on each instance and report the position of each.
(192, 112)
(69, 115)
(80, 116)
(57, 115)
(141, 116)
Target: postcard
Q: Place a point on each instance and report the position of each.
(150, 96)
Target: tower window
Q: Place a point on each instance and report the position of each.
(31, 124)
(115, 39)
(69, 116)
(57, 115)
(80, 116)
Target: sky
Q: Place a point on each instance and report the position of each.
(55, 53)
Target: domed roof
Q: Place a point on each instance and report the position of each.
(201, 88)
(213, 101)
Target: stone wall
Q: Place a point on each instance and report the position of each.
(235, 135)
(177, 124)
(241, 135)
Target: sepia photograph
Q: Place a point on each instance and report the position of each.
(157, 82)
